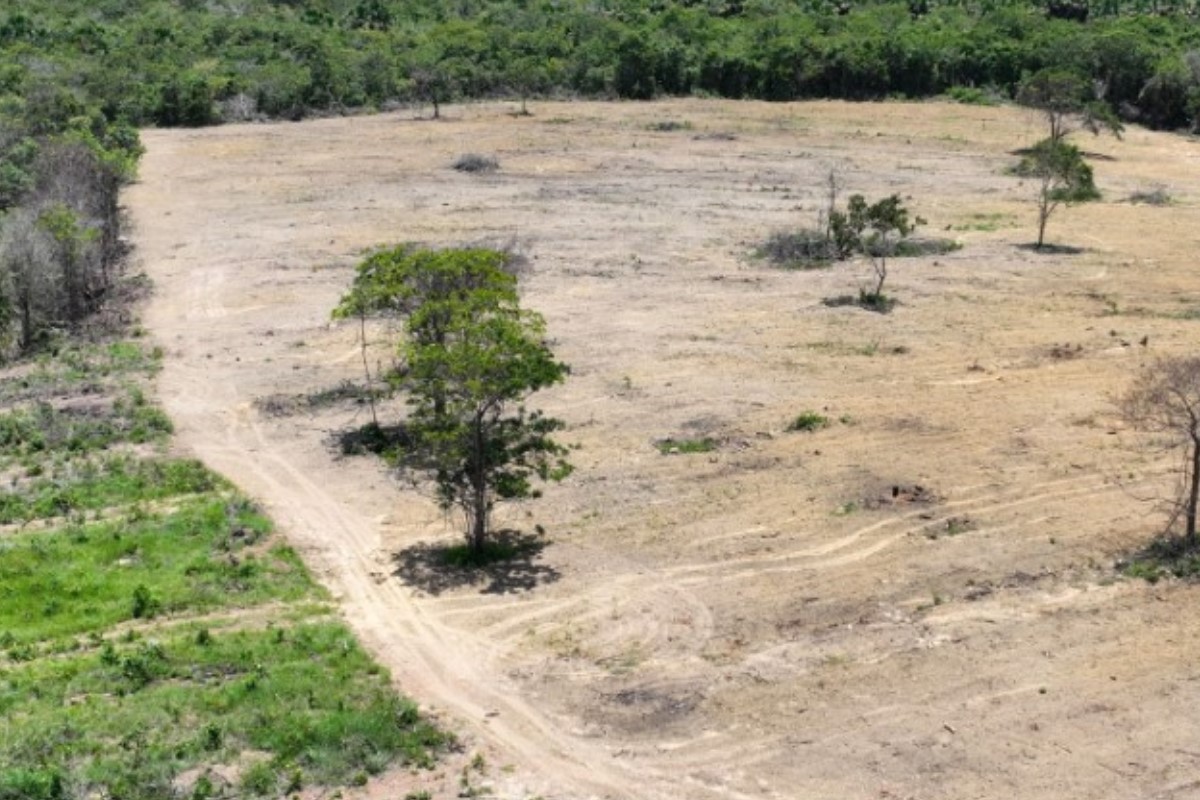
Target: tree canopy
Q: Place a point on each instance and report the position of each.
(469, 358)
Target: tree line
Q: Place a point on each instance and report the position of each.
(187, 62)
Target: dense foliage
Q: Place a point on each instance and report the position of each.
(194, 62)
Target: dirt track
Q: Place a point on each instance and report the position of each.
(762, 621)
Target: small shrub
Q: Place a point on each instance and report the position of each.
(259, 779)
(474, 162)
(145, 605)
(802, 249)
(212, 737)
(875, 301)
(668, 125)
(808, 421)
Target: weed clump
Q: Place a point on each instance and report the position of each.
(808, 422)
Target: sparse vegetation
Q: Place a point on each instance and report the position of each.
(1156, 196)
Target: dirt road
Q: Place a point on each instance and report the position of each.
(915, 601)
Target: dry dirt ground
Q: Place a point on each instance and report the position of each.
(762, 621)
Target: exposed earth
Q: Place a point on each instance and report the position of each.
(918, 600)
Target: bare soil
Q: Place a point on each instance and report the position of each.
(917, 601)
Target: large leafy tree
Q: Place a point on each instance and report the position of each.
(1068, 102)
(470, 358)
(468, 423)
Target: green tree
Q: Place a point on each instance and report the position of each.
(468, 423)
(875, 230)
(1068, 102)
(1062, 176)
(470, 358)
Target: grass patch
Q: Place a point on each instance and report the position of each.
(925, 246)
(878, 302)
(808, 421)
(986, 222)
(92, 485)
(81, 368)
(671, 446)
(1166, 556)
(42, 428)
(279, 405)
(114, 677)
(494, 551)
(669, 125)
(122, 719)
(210, 554)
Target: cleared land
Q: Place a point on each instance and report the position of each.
(764, 620)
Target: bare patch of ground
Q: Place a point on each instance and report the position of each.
(916, 600)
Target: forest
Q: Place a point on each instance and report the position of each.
(77, 78)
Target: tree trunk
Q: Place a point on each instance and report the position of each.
(479, 522)
(362, 338)
(1043, 216)
(26, 321)
(1193, 494)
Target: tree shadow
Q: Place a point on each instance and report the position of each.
(508, 564)
(1028, 151)
(1052, 249)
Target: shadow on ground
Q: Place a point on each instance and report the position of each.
(1048, 249)
(508, 565)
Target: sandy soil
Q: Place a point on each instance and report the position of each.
(764, 620)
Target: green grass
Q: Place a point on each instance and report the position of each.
(125, 717)
(672, 446)
(82, 368)
(211, 553)
(150, 621)
(95, 484)
(41, 428)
